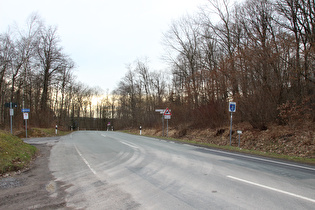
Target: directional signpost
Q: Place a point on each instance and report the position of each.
(167, 115)
(232, 108)
(25, 116)
(11, 105)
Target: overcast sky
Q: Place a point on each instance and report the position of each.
(103, 36)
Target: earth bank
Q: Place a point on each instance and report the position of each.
(298, 142)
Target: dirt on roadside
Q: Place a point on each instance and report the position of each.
(276, 139)
(33, 188)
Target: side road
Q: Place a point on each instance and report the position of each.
(34, 188)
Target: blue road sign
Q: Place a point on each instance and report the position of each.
(232, 107)
(26, 110)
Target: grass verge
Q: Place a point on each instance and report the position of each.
(41, 132)
(51, 132)
(14, 153)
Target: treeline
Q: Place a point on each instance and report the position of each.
(138, 94)
(259, 53)
(36, 73)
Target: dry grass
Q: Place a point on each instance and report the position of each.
(14, 153)
(282, 140)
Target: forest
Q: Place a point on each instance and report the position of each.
(257, 53)
(37, 74)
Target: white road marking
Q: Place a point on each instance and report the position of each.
(271, 188)
(103, 135)
(262, 159)
(86, 162)
(130, 145)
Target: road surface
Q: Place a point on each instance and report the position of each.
(113, 170)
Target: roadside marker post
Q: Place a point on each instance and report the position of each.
(232, 108)
(239, 137)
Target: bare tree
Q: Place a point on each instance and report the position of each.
(6, 53)
(51, 60)
(299, 19)
(183, 38)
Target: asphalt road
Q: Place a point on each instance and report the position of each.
(113, 170)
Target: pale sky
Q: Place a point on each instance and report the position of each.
(103, 36)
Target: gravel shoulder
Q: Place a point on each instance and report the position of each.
(35, 187)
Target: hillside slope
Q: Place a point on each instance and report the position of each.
(14, 153)
(282, 140)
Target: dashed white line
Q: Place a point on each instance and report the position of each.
(271, 188)
(86, 162)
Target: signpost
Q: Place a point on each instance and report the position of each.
(11, 116)
(25, 117)
(166, 114)
(11, 105)
(232, 108)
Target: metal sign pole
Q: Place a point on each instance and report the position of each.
(232, 108)
(11, 114)
(25, 117)
(166, 114)
(167, 128)
(163, 124)
(25, 128)
(231, 128)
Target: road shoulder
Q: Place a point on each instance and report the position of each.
(35, 187)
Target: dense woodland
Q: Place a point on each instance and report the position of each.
(258, 53)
